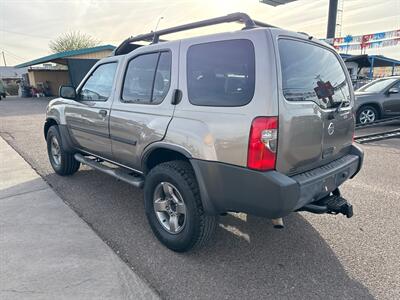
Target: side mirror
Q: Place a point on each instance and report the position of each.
(393, 91)
(67, 92)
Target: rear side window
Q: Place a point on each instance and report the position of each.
(312, 73)
(377, 86)
(162, 78)
(221, 73)
(147, 78)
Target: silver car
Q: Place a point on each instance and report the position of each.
(378, 99)
(257, 120)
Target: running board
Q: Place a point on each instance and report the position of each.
(126, 176)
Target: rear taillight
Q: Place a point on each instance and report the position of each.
(263, 143)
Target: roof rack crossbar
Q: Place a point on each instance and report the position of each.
(235, 17)
(154, 37)
(262, 24)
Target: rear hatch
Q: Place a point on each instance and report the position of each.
(316, 124)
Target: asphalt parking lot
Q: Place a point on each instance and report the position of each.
(314, 257)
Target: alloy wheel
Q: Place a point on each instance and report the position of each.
(367, 116)
(169, 207)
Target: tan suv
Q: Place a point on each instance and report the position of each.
(257, 120)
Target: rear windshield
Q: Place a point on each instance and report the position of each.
(312, 73)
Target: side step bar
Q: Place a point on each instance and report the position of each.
(126, 176)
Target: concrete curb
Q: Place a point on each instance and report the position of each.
(47, 251)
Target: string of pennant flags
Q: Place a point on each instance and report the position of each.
(366, 41)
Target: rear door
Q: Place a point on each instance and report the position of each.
(315, 99)
(142, 109)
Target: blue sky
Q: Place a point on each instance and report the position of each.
(26, 27)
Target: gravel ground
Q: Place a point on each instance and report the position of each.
(314, 257)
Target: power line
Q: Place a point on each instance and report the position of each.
(13, 54)
(29, 35)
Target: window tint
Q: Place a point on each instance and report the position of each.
(163, 77)
(147, 78)
(312, 73)
(99, 85)
(221, 73)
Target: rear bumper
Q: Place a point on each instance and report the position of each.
(270, 194)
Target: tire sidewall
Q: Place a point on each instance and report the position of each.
(53, 132)
(188, 236)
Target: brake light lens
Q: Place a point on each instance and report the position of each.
(263, 144)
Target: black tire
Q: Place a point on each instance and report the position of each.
(198, 227)
(365, 110)
(67, 164)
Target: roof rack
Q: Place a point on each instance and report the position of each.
(154, 36)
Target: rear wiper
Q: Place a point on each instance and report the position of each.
(340, 105)
(332, 115)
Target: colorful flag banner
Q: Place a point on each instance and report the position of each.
(366, 41)
(368, 45)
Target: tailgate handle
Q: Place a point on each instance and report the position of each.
(103, 112)
(331, 116)
(327, 152)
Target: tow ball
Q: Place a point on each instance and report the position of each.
(332, 204)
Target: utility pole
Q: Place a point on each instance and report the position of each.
(4, 59)
(330, 32)
(339, 19)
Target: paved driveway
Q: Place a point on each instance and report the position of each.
(314, 257)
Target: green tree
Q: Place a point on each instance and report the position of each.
(72, 41)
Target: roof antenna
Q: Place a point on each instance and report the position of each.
(155, 37)
(158, 22)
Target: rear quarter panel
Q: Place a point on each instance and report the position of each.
(221, 133)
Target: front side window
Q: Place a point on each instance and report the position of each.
(99, 85)
(221, 73)
(312, 73)
(147, 78)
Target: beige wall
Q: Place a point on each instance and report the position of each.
(95, 55)
(54, 78)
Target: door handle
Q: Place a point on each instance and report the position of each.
(177, 97)
(102, 112)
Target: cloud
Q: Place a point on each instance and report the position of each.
(113, 21)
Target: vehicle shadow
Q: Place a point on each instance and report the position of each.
(247, 258)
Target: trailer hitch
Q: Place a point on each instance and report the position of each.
(332, 204)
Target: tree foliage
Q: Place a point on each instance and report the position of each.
(73, 40)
